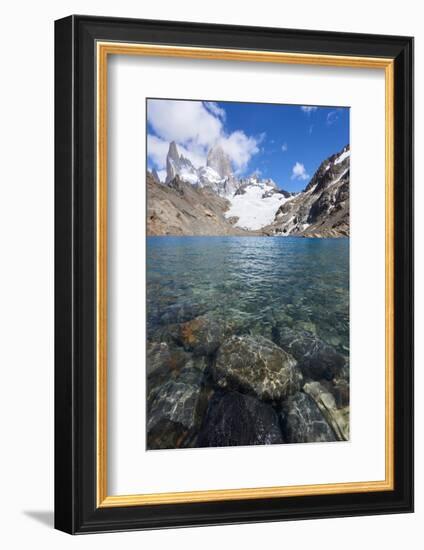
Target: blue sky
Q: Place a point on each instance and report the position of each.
(284, 142)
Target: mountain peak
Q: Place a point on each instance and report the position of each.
(177, 164)
(257, 203)
(322, 209)
(219, 161)
(173, 151)
(330, 168)
(217, 175)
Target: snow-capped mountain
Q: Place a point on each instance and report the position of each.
(178, 165)
(255, 204)
(253, 201)
(322, 209)
(217, 175)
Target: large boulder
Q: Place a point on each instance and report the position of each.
(255, 365)
(337, 417)
(175, 409)
(316, 359)
(303, 421)
(163, 355)
(236, 419)
(166, 361)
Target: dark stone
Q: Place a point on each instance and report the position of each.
(303, 422)
(166, 362)
(316, 359)
(340, 391)
(175, 409)
(319, 208)
(237, 419)
(166, 434)
(161, 354)
(344, 373)
(343, 192)
(337, 417)
(255, 365)
(177, 184)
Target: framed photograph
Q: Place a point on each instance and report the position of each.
(234, 274)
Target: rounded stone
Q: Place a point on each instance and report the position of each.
(255, 365)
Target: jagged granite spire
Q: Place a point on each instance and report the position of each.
(219, 161)
(173, 151)
(179, 165)
(172, 159)
(217, 175)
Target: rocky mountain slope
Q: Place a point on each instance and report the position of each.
(322, 209)
(211, 200)
(180, 208)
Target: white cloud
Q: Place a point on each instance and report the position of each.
(215, 109)
(195, 153)
(240, 148)
(157, 150)
(299, 172)
(183, 121)
(195, 126)
(284, 147)
(308, 109)
(332, 117)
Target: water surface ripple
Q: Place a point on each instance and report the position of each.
(259, 281)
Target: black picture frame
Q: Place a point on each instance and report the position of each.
(76, 509)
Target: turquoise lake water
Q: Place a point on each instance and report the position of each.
(257, 282)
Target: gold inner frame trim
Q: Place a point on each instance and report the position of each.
(103, 50)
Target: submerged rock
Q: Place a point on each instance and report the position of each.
(202, 335)
(304, 422)
(344, 373)
(337, 418)
(340, 390)
(174, 409)
(162, 355)
(182, 312)
(316, 359)
(237, 419)
(255, 365)
(165, 434)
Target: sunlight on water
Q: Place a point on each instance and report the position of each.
(256, 282)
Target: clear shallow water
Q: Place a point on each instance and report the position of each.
(256, 281)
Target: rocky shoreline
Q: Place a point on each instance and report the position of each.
(212, 383)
